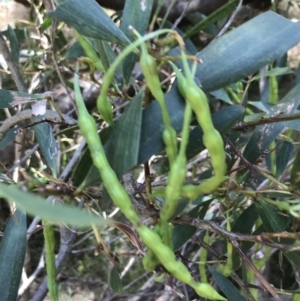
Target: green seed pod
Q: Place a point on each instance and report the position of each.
(173, 189)
(105, 108)
(182, 82)
(211, 138)
(170, 140)
(151, 239)
(50, 260)
(165, 232)
(149, 69)
(176, 268)
(205, 290)
(273, 90)
(240, 86)
(150, 261)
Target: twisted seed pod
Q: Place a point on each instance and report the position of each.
(149, 69)
(212, 139)
(121, 199)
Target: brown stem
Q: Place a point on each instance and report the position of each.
(257, 273)
(215, 228)
(243, 126)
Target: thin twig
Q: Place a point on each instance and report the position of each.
(233, 275)
(67, 236)
(33, 276)
(23, 159)
(233, 238)
(14, 69)
(243, 126)
(146, 274)
(242, 285)
(229, 22)
(215, 228)
(63, 176)
(73, 161)
(257, 273)
(19, 81)
(28, 114)
(179, 19)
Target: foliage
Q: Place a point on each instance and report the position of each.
(219, 239)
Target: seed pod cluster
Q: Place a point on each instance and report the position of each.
(160, 252)
(212, 139)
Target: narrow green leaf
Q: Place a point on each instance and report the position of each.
(82, 169)
(284, 150)
(151, 141)
(226, 286)
(295, 174)
(136, 13)
(14, 44)
(9, 136)
(181, 234)
(221, 95)
(46, 24)
(272, 218)
(115, 280)
(12, 255)
(12, 98)
(57, 213)
(74, 51)
(152, 127)
(46, 140)
(217, 15)
(274, 72)
(246, 49)
(76, 13)
(223, 120)
(294, 258)
(245, 222)
(106, 54)
(122, 148)
(293, 124)
(107, 57)
(207, 23)
(265, 134)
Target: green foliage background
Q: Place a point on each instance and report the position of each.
(256, 211)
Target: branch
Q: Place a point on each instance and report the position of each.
(215, 228)
(243, 126)
(15, 71)
(263, 280)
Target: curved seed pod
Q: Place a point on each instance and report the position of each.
(182, 82)
(103, 103)
(90, 51)
(105, 108)
(121, 199)
(167, 258)
(170, 140)
(150, 261)
(149, 69)
(211, 137)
